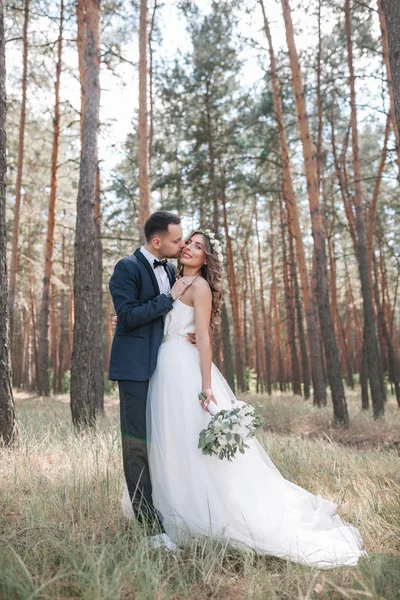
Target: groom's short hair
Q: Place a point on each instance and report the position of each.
(157, 223)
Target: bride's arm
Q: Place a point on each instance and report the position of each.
(202, 302)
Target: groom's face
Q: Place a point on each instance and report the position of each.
(170, 244)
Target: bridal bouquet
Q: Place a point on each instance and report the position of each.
(228, 430)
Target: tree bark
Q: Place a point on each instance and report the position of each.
(44, 375)
(63, 349)
(211, 158)
(98, 253)
(98, 296)
(151, 96)
(54, 338)
(322, 291)
(214, 193)
(81, 45)
(393, 365)
(8, 429)
(289, 306)
(233, 293)
(346, 365)
(143, 143)
(244, 337)
(20, 166)
(227, 348)
(370, 340)
(391, 60)
(294, 224)
(331, 353)
(375, 195)
(266, 347)
(274, 306)
(83, 369)
(256, 346)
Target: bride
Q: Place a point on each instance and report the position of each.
(245, 503)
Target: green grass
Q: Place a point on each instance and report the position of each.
(62, 533)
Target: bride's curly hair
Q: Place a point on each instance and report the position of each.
(212, 273)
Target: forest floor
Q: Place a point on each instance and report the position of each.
(62, 533)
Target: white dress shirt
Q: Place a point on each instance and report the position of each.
(159, 272)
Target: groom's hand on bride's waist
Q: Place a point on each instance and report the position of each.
(192, 338)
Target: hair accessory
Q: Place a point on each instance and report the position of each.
(214, 243)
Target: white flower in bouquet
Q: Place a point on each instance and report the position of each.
(228, 430)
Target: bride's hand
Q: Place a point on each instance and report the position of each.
(210, 398)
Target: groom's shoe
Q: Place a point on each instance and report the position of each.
(162, 541)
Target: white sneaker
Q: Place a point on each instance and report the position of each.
(162, 541)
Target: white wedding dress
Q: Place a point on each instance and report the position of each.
(246, 502)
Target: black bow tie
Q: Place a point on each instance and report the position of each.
(160, 263)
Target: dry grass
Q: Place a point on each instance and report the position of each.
(287, 414)
(63, 535)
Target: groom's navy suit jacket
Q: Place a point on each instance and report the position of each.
(140, 309)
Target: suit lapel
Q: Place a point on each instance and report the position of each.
(150, 270)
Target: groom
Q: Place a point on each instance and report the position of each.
(143, 288)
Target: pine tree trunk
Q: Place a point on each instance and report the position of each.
(387, 58)
(289, 306)
(375, 195)
(211, 158)
(32, 310)
(244, 337)
(17, 351)
(318, 156)
(274, 304)
(63, 345)
(98, 255)
(98, 296)
(257, 364)
(151, 95)
(344, 189)
(8, 429)
(387, 309)
(20, 165)
(214, 193)
(233, 293)
(143, 144)
(83, 369)
(54, 338)
(44, 375)
(81, 45)
(305, 368)
(71, 312)
(339, 329)
(393, 363)
(266, 348)
(228, 359)
(27, 353)
(324, 310)
(370, 340)
(294, 225)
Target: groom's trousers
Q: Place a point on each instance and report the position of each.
(133, 400)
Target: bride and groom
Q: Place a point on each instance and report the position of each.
(161, 357)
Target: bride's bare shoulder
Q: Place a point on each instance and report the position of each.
(201, 287)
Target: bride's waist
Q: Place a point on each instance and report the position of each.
(183, 337)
